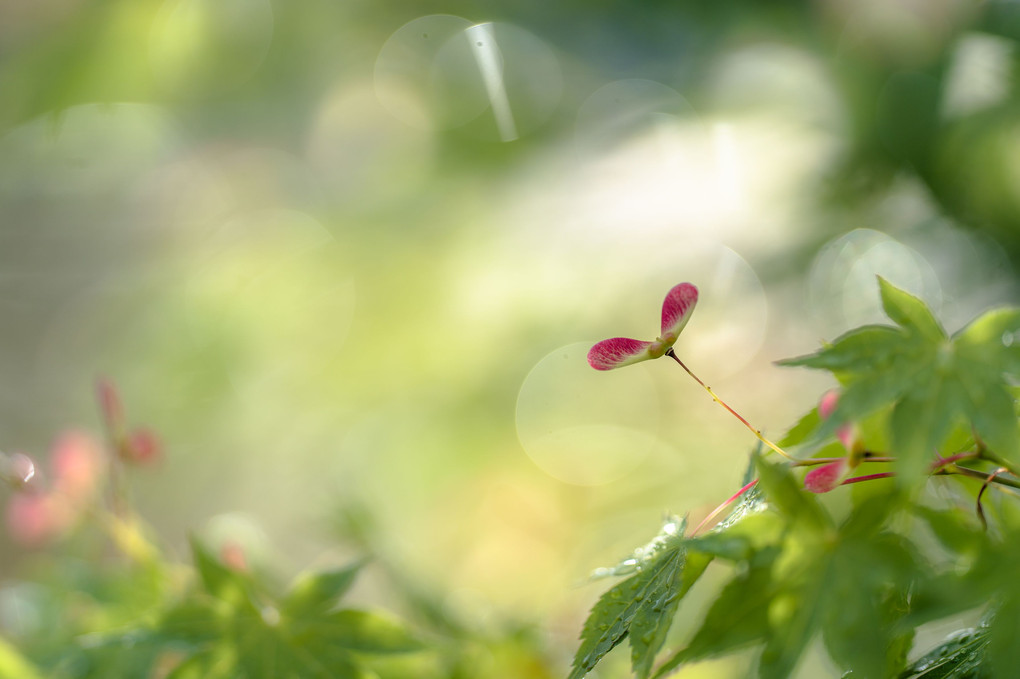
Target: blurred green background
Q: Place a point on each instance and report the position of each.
(351, 255)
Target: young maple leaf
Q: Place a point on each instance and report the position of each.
(621, 351)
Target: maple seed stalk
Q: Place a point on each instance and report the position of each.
(756, 432)
(719, 510)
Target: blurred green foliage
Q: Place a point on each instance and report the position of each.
(318, 303)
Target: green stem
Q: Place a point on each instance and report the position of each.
(986, 454)
(977, 474)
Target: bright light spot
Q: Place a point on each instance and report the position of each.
(624, 109)
(23, 467)
(649, 168)
(792, 83)
(584, 427)
(441, 72)
(979, 75)
(490, 62)
(443, 92)
(842, 283)
(728, 166)
(530, 76)
(902, 266)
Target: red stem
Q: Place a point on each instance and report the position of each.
(715, 512)
(868, 477)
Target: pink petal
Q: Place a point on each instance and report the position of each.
(76, 461)
(109, 403)
(847, 435)
(35, 519)
(676, 310)
(617, 352)
(827, 404)
(828, 476)
(142, 447)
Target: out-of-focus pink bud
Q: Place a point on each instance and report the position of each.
(233, 557)
(37, 519)
(828, 476)
(847, 433)
(77, 463)
(142, 447)
(109, 404)
(827, 404)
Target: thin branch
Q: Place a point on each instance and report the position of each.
(984, 486)
(978, 474)
(986, 454)
(756, 432)
(944, 461)
(815, 461)
(868, 477)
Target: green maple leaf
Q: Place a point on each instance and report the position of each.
(846, 581)
(961, 656)
(992, 651)
(931, 381)
(642, 606)
(235, 629)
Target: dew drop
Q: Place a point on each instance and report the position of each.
(1007, 339)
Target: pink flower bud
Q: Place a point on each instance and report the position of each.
(846, 433)
(109, 404)
(142, 447)
(37, 519)
(233, 557)
(828, 476)
(76, 462)
(827, 404)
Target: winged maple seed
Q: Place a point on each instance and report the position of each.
(676, 311)
(621, 351)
